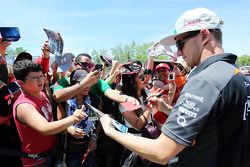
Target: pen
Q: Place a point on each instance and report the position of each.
(146, 101)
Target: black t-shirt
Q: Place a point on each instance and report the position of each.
(6, 102)
(210, 116)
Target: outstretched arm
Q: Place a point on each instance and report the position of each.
(159, 150)
(27, 114)
(69, 92)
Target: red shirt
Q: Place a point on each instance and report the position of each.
(33, 141)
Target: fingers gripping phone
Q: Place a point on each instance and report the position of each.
(11, 34)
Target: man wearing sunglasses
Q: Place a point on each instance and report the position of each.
(208, 126)
(62, 91)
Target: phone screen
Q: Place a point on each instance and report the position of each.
(98, 67)
(10, 33)
(171, 76)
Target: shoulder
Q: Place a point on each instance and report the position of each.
(217, 75)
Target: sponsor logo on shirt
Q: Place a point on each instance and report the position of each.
(181, 120)
(190, 105)
(201, 99)
(247, 108)
(187, 112)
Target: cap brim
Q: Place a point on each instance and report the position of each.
(170, 40)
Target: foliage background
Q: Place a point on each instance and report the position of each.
(122, 53)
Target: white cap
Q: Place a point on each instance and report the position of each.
(192, 20)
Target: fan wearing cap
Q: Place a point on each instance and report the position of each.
(161, 76)
(81, 135)
(63, 91)
(181, 71)
(208, 126)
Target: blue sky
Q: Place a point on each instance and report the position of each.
(87, 25)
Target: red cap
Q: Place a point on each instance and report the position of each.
(162, 65)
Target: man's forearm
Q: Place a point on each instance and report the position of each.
(147, 148)
(116, 95)
(67, 93)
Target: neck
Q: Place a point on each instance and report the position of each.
(34, 94)
(79, 99)
(214, 49)
(139, 93)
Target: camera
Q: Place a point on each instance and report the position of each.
(171, 76)
(10, 33)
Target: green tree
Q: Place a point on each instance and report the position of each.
(14, 52)
(132, 51)
(243, 60)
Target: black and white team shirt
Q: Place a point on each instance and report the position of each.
(211, 115)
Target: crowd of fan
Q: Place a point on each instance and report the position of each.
(51, 105)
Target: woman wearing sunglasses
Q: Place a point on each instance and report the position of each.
(133, 85)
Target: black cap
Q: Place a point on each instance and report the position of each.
(77, 76)
(23, 56)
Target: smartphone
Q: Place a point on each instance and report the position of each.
(98, 67)
(11, 34)
(13, 87)
(171, 76)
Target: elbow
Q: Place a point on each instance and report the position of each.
(163, 160)
(57, 98)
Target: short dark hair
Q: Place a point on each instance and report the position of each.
(77, 59)
(23, 56)
(217, 34)
(21, 69)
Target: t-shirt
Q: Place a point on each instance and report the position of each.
(32, 141)
(210, 116)
(87, 124)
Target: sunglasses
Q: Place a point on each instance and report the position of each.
(86, 65)
(141, 77)
(130, 69)
(181, 42)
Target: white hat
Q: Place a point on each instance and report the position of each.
(192, 20)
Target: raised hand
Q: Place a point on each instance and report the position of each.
(3, 46)
(79, 115)
(45, 49)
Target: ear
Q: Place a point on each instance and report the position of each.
(205, 36)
